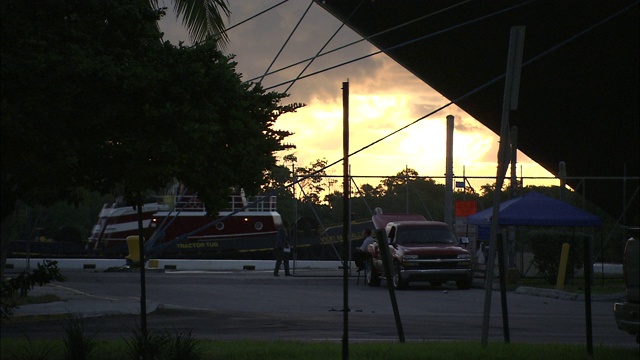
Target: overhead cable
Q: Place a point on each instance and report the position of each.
(286, 41)
(323, 46)
(452, 28)
(366, 38)
(408, 42)
(255, 16)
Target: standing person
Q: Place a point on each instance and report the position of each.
(282, 251)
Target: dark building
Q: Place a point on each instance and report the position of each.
(579, 90)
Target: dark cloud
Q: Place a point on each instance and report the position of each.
(256, 44)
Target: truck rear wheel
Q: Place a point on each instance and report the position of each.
(398, 282)
(373, 278)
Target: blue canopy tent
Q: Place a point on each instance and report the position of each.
(535, 209)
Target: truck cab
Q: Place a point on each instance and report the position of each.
(419, 250)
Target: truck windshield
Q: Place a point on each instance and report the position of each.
(425, 235)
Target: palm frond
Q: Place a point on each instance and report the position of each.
(203, 18)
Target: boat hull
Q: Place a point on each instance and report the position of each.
(325, 246)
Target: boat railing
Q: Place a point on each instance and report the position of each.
(259, 203)
(186, 202)
(237, 202)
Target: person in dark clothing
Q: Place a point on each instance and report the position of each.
(360, 253)
(282, 252)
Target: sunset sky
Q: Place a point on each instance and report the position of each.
(384, 97)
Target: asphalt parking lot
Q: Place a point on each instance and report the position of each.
(257, 305)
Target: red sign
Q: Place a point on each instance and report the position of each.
(466, 208)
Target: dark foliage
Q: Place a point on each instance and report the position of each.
(43, 274)
(547, 248)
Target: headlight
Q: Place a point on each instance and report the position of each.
(410, 257)
(464, 256)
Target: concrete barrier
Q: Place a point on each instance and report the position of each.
(166, 264)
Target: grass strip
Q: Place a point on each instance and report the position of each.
(272, 350)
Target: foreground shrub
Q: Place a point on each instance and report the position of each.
(149, 347)
(43, 274)
(163, 346)
(183, 346)
(77, 344)
(33, 350)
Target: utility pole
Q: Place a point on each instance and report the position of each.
(345, 219)
(406, 189)
(510, 102)
(448, 187)
(514, 161)
(143, 284)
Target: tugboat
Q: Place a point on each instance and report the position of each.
(177, 225)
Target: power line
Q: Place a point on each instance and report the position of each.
(286, 41)
(550, 50)
(363, 39)
(255, 16)
(408, 42)
(322, 48)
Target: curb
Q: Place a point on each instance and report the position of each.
(563, 295)
(84, 308)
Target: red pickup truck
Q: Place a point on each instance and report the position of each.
(419, 250)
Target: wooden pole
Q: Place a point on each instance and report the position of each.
(448, 191)
(143, 287)
(512, 83)
(345, 219)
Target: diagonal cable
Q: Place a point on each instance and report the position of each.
(255, 16)
(366, 38)
(322, 48)
(550, 50)
(363, 195)
(408, 42)
(286, 41)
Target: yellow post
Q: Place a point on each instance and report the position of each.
(562, 269)
(134, 250)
